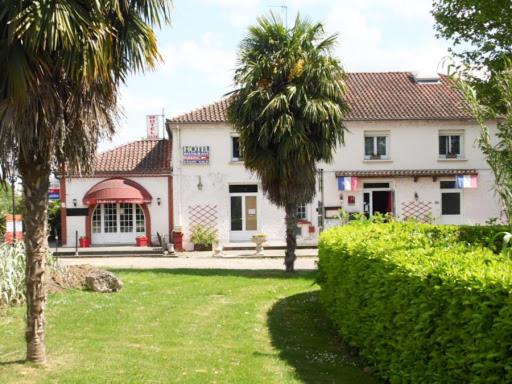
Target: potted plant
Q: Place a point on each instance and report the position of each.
(142, 241)
(203, 237)
(259, 239)
(84, 241)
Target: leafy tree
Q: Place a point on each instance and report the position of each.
(61, 65)
(498, 152)
(481, 31)
(288, 107)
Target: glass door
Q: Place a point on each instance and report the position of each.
(244, 216)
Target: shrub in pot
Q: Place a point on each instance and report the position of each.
(203, 237)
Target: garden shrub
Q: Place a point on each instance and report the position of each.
(421, 305)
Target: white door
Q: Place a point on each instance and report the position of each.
(451, 203)
(244, 216)
(117, 223)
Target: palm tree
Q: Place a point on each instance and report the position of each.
(288, 107)
(61, 65)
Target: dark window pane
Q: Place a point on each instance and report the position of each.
(243, 188)
(375, 185)
(447, 184)
(450, 203)
(368, 146)
(443, 140)
(236, 213)
(236, 148)
(381, 146)
(454, 145)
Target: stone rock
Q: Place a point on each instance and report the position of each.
(103, 281)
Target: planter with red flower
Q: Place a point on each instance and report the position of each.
(142, 241)
(84, 241)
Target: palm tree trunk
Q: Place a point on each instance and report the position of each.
(35, 189)
(291, 236)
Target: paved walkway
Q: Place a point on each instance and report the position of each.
(306, 260)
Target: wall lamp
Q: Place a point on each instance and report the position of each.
(158, 201)
(74, 202)
(199, 184)
(416, 197)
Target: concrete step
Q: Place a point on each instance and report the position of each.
(252, 247)
(109, 251)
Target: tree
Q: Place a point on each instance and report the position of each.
(61, 65)
(288, 107)
(498, 153)
(481, 31)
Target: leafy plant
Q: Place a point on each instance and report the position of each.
(420, 303)
(203, 235)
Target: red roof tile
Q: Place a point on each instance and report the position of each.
(374, 96)
(145, 157)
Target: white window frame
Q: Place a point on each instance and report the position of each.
(138, 219)
(450, 134)
(374, 135)
(302, 208)
(240, 157)
(451, 190)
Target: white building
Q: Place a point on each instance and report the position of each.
(408, 141)
(128, 195)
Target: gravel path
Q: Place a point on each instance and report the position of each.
(193, 261)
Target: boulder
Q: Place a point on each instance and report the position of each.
(103, 281)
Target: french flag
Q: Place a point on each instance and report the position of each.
(466, 181)
(347, 183)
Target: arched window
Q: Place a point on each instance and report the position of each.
(114, 218)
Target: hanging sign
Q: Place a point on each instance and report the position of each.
(466, 181)
(347, 183)
(152, 126)
(54, 194)
(193, 154)
(9, 230)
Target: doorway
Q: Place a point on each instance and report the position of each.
(378, 198)
(243, 212)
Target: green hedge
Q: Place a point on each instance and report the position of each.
(419, 304)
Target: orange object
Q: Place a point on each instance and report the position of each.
(85, 242)
(178, 241)
(142, 241)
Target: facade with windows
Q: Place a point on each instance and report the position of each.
(129, 195)
(410, 151)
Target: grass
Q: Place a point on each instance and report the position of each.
(185, 326)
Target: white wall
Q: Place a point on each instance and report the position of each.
(76, 188)
(413, 145)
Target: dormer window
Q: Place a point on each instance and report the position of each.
(450, 145)
(376, 146)
(236, 154)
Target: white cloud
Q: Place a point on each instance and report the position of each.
(206, 57)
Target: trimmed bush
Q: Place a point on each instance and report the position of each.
(421, 305)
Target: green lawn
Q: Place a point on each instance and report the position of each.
(185, 326)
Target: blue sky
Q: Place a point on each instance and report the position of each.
(199, 49)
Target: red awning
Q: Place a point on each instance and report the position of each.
(117, 191)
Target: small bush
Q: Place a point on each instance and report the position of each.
(203, 235)
(420, 304)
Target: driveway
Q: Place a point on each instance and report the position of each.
(306, 260)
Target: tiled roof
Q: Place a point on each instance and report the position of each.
(408, 173)
(138, 157)
(374, 96)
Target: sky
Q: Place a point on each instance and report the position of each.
(199, 49)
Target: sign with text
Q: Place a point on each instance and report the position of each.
(10, 225)
(193, 154)
(152, 126)
(54, 194)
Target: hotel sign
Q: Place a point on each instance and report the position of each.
(193, 154)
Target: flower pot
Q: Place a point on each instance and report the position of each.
(142, 241)
(85, 242)
(202, 247)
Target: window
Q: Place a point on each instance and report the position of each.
(376, 146)
(96, 220)
(140, 223)
(236, 154)
(110, 218)
(450, 201)
(450, 145)
(126, 217)
(243, 188)
(301, 211)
